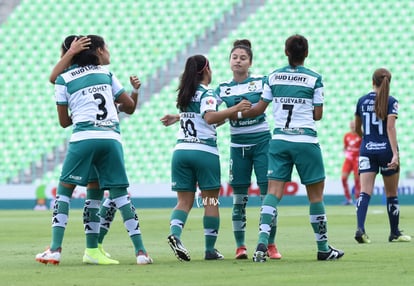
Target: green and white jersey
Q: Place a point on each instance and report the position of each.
(89, 92)
(194, 132)
(294, 92)
(246, 131)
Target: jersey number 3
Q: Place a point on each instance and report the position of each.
(101, 106)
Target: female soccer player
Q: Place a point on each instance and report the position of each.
(249, 143)
(352, 142)
(195, 161)
(85, 95)
(71, 46)
(297, 96)
(375, 120)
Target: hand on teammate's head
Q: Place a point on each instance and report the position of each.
(80, 44)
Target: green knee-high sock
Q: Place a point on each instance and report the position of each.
(239, 218)
(130, 218)
(91, 220)
(319, 225)
(267, 214)
(177, 222)
(107, 215)
(211, 227)
(60, 216)
(273, 229)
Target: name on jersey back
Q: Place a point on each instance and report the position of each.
(291, 100)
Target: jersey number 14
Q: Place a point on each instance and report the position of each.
(370, 119)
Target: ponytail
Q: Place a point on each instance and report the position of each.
(190, 79)
(381, 79)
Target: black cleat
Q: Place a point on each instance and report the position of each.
(213, 255)
(179, 250)
(332, 254)
(260, 253)
(361, 237)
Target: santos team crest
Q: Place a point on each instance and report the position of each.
(252, 86)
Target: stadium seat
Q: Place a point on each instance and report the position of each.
(28, 61)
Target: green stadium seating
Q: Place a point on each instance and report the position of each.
(141, 35)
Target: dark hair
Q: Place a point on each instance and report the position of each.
(382, 79)
(296, 47)
(89, 56)
(245, 45)
(190, 79)
(67, 42)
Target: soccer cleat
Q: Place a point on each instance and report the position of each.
(272, 252)
(143, 258)
(332, 254)
(361, 236)
(260, 253)
(179, 250)
(241, 252)
(95, 256)
(49, 256)
(100, 247)
(213, 255)
(399, 238)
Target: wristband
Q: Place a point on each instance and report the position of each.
(239, 115)
(117, 108)
(135, 90)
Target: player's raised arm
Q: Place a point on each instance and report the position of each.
(76, 45)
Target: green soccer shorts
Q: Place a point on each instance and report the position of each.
(306, 157)
(190, 168)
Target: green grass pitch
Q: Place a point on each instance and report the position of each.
(24, 233)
